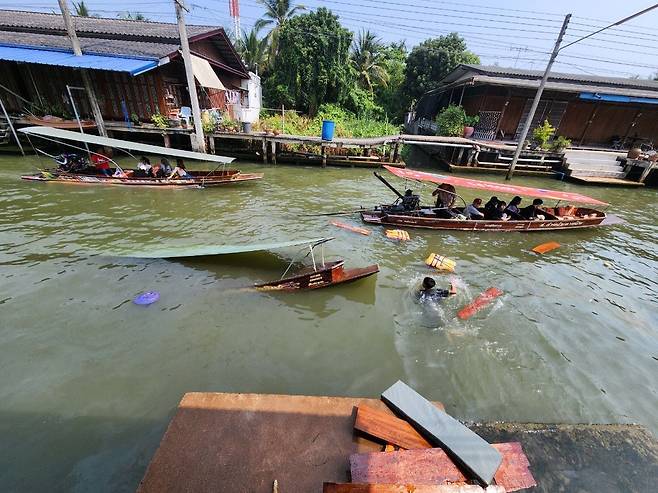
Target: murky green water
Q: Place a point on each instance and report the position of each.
(89, 380)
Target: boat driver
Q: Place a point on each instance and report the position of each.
(410, 201)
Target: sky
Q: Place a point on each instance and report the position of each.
(509, 33)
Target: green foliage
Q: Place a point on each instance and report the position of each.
(160, 121)
(312, 63)
(542, 134)
(347, 123)
(471, 121)
(432, 60)
(277, 13)
(254, 51)
(55, 109)
(208, 125)
(451, 121)
(132, 16)
(393, 58)
(366, 60)
(362, 103)
(134, 118)
(81, 9)
(560, 144)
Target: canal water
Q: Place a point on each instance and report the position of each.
(89, 380)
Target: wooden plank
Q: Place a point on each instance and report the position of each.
(478, 458)
(433, 466)
(388, 428)
(407, 488)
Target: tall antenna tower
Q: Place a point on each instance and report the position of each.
(234, 10)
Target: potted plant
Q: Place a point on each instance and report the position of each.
(134, 119)
(160, 121)
(451, 121)
(560, 144)
(542, 134)
(469, 125)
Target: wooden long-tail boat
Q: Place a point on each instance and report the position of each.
(554, 218)
(85, 174)
(320, 275)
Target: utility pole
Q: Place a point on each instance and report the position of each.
(535, 103)
(89, 88)
(198, 140)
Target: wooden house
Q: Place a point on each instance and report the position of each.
(136, 66)
(590, 110)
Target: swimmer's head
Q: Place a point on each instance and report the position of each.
(428, 283)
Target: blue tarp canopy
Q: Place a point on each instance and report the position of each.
(66, 58)
(615, 98)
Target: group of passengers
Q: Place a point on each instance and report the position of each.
(100, 161)
(499, 210)
(161, 170)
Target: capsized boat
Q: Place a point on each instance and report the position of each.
(84, 174)
(409, 213)
(321, 274)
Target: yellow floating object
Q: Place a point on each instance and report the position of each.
(397, 234)
(440, 262)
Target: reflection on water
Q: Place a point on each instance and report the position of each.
(90, 375)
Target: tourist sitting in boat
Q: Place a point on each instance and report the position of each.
(101, 162)
(165, 166)
(490, 206)
(513, 208)
(533, 211)
(499, 214)
(428, 291)
(144, 168)
(180, 171)
(472, 211)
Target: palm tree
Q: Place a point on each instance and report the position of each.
(254, 51)
(277, 12)
(366, 59)
(81, 9)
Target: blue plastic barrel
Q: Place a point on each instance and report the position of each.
(328, 127)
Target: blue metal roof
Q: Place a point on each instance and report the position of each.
(614, 98)
(66, 58)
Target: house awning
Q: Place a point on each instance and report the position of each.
(205, 75)
(65, 58)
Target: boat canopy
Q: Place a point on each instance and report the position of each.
(494, 187)
(205, 250)
(56, 134)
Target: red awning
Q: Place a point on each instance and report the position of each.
(494, 187)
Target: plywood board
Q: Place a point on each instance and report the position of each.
(472, 453)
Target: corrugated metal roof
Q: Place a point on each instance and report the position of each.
(62, 58)
(98, 46)
(564, 86)
(560, 76)
(17, 20)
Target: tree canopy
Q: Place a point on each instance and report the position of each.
(254, 51)
(432, 60)
(312, 63)
(367, 61)
(277, 13)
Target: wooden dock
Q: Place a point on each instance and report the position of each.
(243, 442)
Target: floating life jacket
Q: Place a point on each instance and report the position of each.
(440, 262)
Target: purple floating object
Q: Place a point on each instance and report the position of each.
(147, 298)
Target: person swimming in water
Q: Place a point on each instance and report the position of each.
(429, 291)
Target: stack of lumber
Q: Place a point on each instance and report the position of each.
(428, 451)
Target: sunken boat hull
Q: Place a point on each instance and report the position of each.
(330, 274)
(580, 218)
(199, 179)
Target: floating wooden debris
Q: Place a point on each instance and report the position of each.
(546, 247)
(440, 262)
(470, 451)
(397, 234)
(479, 303)
(349, 227)
(407, 488)
(433, 466)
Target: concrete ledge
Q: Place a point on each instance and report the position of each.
(241, 443)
